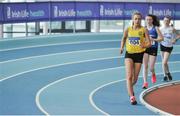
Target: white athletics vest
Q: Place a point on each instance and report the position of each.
(168, 35)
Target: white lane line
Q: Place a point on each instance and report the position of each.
(60, 35)
(60, 80)
(57, 65)
(52, 66)
(95, 90)
(149, 106)
(65, 43)
(26, 58)
(91, 97)
(63, 53)
(113, 82)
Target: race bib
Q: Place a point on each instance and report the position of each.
(167, 39)
(152, 36)
(153, 43)
(168, 36)
(134, 41)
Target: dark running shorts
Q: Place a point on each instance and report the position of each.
(166, 49)
(152, 51)
(136, 57)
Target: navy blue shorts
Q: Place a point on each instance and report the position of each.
(152, 51)
(166, 49)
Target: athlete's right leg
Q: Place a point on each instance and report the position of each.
(137, 67)
(162, 57)
(129, 64)
(152, 60)
(145, 70)
(165, 67)
(165, 64)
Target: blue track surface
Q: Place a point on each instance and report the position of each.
(69, 80)
(113, 100)
(27, 52)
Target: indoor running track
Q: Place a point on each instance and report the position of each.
(78, 78)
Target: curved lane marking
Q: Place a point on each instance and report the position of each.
(52, 54)
(66, 43)
(60, 80)
(63, 53)
(97, 89)
(150, 107)
(9, 77)
(91, 95)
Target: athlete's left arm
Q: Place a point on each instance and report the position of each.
(147, 40)
(176, 37)
(160, 36)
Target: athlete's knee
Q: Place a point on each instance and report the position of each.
(146, 67)
(165, 63)
(134, 81)
(129, 77)
(152, 69)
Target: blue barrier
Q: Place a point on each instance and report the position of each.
(61, 11)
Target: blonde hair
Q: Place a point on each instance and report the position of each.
(135, 13)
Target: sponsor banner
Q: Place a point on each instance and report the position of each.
(161, 10)
(130, 8)
(63, 11)
(111, 10)
(177, 12)
(38, 11)
(87, 10)
(15, 12)
(1, 14)
(50, 11)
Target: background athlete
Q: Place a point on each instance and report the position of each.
(152, 24)
(169, 34)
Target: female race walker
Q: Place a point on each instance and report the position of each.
(170, 38)
(152, 24)
(137, 40)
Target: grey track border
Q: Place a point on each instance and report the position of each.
(145, 92)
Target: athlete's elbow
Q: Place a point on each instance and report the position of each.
(161, 39)
(149, 44)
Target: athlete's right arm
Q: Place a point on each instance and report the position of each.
(147, 42)
(160, 36)
(123, 40)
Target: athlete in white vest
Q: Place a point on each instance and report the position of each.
(170, 37)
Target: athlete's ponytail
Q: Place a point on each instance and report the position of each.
(156, 21)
